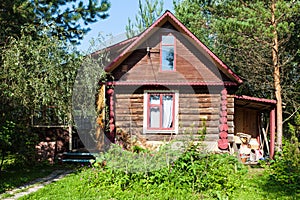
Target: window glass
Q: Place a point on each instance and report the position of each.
(154, 99)
(167, 39)
(154, 117)
(167, 58)
(167, 117)
(161, 112)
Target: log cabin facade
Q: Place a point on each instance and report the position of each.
(165, 83)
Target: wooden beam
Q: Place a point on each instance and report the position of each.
(272, 133)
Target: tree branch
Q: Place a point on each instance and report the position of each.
(291, 115)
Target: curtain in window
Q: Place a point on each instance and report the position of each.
(155, 111)
(154, 117)
(167, 111)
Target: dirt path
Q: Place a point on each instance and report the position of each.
(34, 185)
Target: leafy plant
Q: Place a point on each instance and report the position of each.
(214, 175)
(18, 140)
(6, 135)
(285, 169)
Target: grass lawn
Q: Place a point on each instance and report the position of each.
(82, 185)
(79, 186)
(14, 177)
(193, 176)
(257, 186)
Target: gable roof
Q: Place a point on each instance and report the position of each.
(133, 43)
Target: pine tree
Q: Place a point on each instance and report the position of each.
(258, 39)
(148, 12)
(67, 19)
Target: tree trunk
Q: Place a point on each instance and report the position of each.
(276, 74)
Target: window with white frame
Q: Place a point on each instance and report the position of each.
(160, 111)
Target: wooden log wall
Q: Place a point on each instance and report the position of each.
(196, 113)
(230, 113)
(129, 112)
(191, 64)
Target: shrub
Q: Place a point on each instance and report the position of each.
(18, 141)
(285, 169)
(214, 175)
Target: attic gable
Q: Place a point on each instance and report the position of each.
(169, 22)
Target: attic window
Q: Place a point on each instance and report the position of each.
(167, 53)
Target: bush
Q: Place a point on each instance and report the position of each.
(285, 169)
(19, 142)
(213, 175)
(6, 141)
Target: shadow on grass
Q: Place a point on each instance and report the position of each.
(286, 189)
(16, 176)
(259, 185)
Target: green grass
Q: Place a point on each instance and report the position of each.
(16, 176)
(193, 176)
(257, 185)
(80, 185)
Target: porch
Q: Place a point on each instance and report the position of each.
(254, 132)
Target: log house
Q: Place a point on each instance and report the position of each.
(166, 83)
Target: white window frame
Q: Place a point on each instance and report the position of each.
(145, 110)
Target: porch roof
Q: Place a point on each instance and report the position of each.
(254, 102)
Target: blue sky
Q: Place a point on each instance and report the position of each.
(115, 24)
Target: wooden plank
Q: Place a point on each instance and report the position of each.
(180, 137)
(209, 130)
(230, 117)
(198, 110)
(122, 124)
(129, 118)
(197, 117)
(199, 123)
(230, 111)
(183, 104)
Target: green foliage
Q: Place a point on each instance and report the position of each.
(293, 127)
(214, 175)
(37, 73)
(242, 35)
(18, 140)
(86, 84)
(6, 135)
(285, 170)
(149, 11)
(15, 176)
(24, 142)
(193, 176)
(195, 16)
(66, 19)
(138, 159)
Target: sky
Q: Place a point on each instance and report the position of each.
(115, 24)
